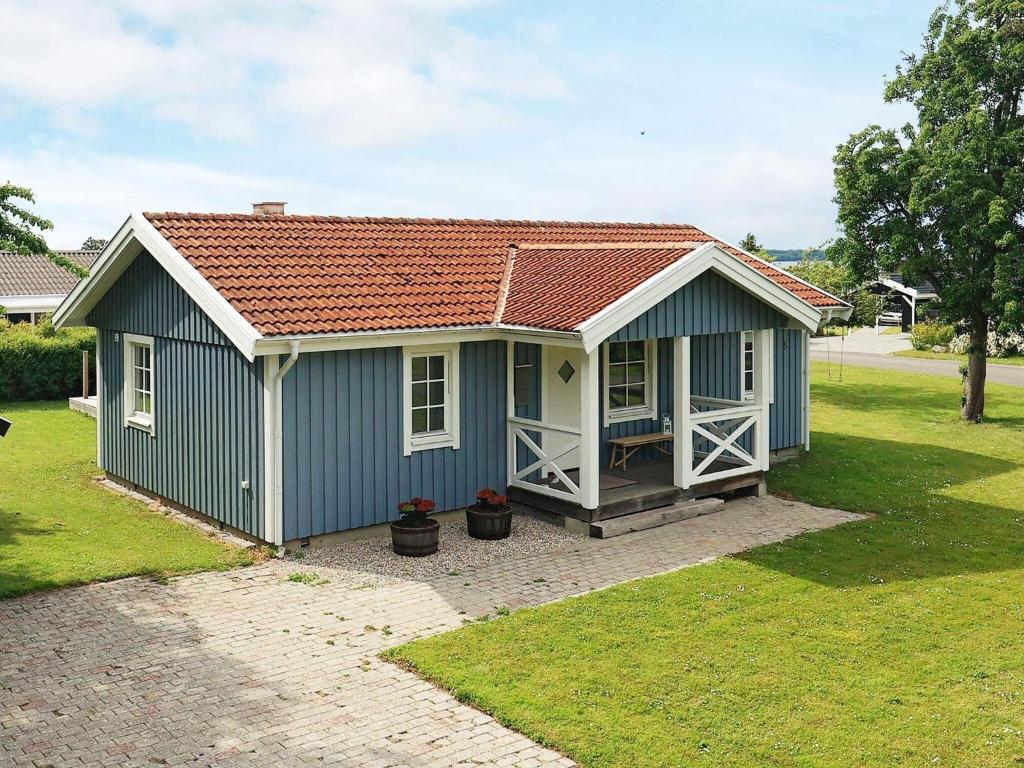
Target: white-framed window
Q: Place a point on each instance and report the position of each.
(630, 380)
(747, 358)
(431, 395)
(139, 382)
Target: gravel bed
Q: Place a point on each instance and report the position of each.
(373, 561)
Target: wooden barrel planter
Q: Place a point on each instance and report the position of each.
(415, 540)
(490, 518)
(487, 525)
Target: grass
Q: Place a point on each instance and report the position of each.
(58, 527)
(893, 641)
(927, 354)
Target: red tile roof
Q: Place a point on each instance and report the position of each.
(321, 274)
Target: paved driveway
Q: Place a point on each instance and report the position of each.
(1000, 374)
(246, 668)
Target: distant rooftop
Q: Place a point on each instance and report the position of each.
(37, 275)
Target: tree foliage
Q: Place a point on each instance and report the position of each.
(94, 244)
(21, 230)
(943, 200)
(751, 245)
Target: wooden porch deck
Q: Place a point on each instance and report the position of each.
(652, 489)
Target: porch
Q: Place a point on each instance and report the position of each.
(716, 438)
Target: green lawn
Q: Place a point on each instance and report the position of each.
(57, 527)
(894, 641)
(929, 355)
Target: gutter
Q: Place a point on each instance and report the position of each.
(278, 446)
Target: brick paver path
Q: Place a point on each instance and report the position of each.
(247, 668)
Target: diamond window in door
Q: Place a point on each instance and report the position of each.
(566, 371)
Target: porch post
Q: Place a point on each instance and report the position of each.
(510, 409)
(764, 374)
(590, 432)
(682, 441)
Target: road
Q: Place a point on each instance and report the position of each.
(1000, 374)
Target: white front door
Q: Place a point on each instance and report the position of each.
(560, 400)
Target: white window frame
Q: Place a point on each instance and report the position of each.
(132, 418)
(648, 410)
(746, 394)
(449, 436)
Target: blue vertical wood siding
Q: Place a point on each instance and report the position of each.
(787, 416)
(343, 460)
(146, 300)
(208, 401)
(707, 304)
(208, 428)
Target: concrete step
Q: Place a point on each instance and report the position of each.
(652, 518)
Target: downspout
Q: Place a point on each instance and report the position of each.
(276, 398)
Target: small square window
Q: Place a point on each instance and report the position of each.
(431, 391)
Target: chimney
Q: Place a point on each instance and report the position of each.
(268, 209)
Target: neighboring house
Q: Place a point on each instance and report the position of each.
(295, 376)
(904, 298)
(33, 285)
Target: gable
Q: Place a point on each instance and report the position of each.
(707, 304)
(147, 300)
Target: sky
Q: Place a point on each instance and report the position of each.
(722, 114)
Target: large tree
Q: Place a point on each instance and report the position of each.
(943, 200)
(21, 230)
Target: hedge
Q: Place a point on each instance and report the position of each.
(40, 363)
(924, 336)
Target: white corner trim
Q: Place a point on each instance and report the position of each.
(634, 413)
(271, 363)
(138, 234)
(450, 437)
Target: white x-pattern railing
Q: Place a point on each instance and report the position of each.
(721, 430)
(546, 463)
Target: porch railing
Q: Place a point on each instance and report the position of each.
(541, 459)
(724, 436)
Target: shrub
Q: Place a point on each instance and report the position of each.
(929, 334)
(40, 363)
(1002, 344)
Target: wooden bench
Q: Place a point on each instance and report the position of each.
(624, 447)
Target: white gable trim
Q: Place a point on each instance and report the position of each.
(755, 257)
(134, 236)
(662, 285)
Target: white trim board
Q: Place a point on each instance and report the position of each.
(662, 285)
(137, 235)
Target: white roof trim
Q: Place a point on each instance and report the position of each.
(662, 285)
(755, 257)
(908, 290)
(31, 302)
(135, 235)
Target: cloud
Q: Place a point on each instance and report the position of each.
(352, 73)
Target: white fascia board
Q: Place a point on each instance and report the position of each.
(672, 278)
(839, 302)
(334, 342)
(138, 234)
(29, 303)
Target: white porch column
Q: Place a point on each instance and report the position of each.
(510, 398)
(682, 441)
(807, 388)
(590, 431)
(764, 371)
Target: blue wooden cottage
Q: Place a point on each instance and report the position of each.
(297, 376)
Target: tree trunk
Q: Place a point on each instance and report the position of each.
(973, 408)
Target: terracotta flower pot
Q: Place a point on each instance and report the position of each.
(415, 540)
(488, 523)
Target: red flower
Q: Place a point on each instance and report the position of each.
(424, 505)
(484, 494)
(496, 500)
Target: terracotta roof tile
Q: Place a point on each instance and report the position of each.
(290, 274)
